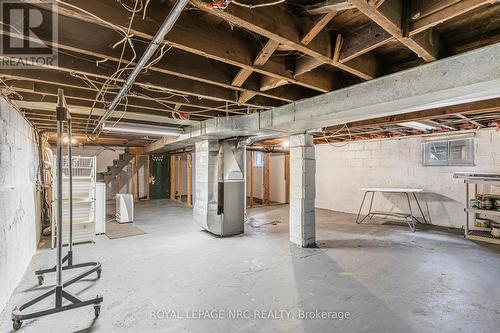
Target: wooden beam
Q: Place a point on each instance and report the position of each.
(148, 173)
(390, 17)
(424, 15)
(242, 75)
(177, 63)
(81, 93)
(486, 106)
(134, 177)
(46, 80)
(251, 179)
(172, 177)
(317, 27)
(287, 177)
(245, 97)
(328, 6)
(218, 43)
(475, 123)
(179, 179)
(267, 167)
(305, 64)
(265, 53)
(163, 82)
(277, 24)
(427, 15)
(365, 39)
(83, 108)
(189, 180)
(268, 83)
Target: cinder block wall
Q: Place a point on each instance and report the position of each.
(342, 171)
(19, 199)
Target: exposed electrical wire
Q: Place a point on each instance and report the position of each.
(266, 4)
(340, 130)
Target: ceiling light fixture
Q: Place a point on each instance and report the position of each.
(418, 126)
(141, 129)
(66, 140)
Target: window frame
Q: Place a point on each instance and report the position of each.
(258, 159)
(426, 149)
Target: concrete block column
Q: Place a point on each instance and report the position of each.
(205, 204)
(302, 190)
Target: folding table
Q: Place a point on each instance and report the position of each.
(408, 217)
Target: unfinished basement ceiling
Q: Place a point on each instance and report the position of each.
(239, 60)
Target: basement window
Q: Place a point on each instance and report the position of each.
(449, 153)
(258, 159)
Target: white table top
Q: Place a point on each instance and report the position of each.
(391, 189)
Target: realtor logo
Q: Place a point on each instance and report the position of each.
(29, 31)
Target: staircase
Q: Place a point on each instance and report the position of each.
(115, 169)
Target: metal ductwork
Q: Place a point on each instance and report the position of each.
(220, 200)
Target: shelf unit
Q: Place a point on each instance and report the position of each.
(84, 184)
(473, 232)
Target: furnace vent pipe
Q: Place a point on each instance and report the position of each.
(151, 49)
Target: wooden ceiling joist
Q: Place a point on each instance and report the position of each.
(176, 63)
(38, 78)
(486, 106)
(421, 18)
(193, 36)
(278, 25)
(427, 14)
(265, 53)
(163, 82)
(391, 17)
(327, 6)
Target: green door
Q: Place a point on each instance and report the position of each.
(159, 180)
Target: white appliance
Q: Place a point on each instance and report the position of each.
(84, 175)
(100, 208)
(124, 208)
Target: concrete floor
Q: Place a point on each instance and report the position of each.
(389, 279)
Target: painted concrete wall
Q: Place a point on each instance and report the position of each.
(183, 180)
(342, 171)
(277, 190)
(277, 186)
(258, 180)
(19, 198)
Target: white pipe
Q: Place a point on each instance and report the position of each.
(151, 49)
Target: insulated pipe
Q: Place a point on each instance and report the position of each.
(151, 49)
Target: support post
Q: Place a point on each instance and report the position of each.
(287, 178)
(179, 178)
(267, 167)
(302, 190)
(251, 178)
(172, 177)
(189, 179)
(134, 177)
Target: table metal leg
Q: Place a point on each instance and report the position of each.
(360, 208)
(371, 205)
(410, 221)
(420, 208)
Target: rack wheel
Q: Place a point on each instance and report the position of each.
(97, 310)
(40, 280)
(16, 324)
(99, 273)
